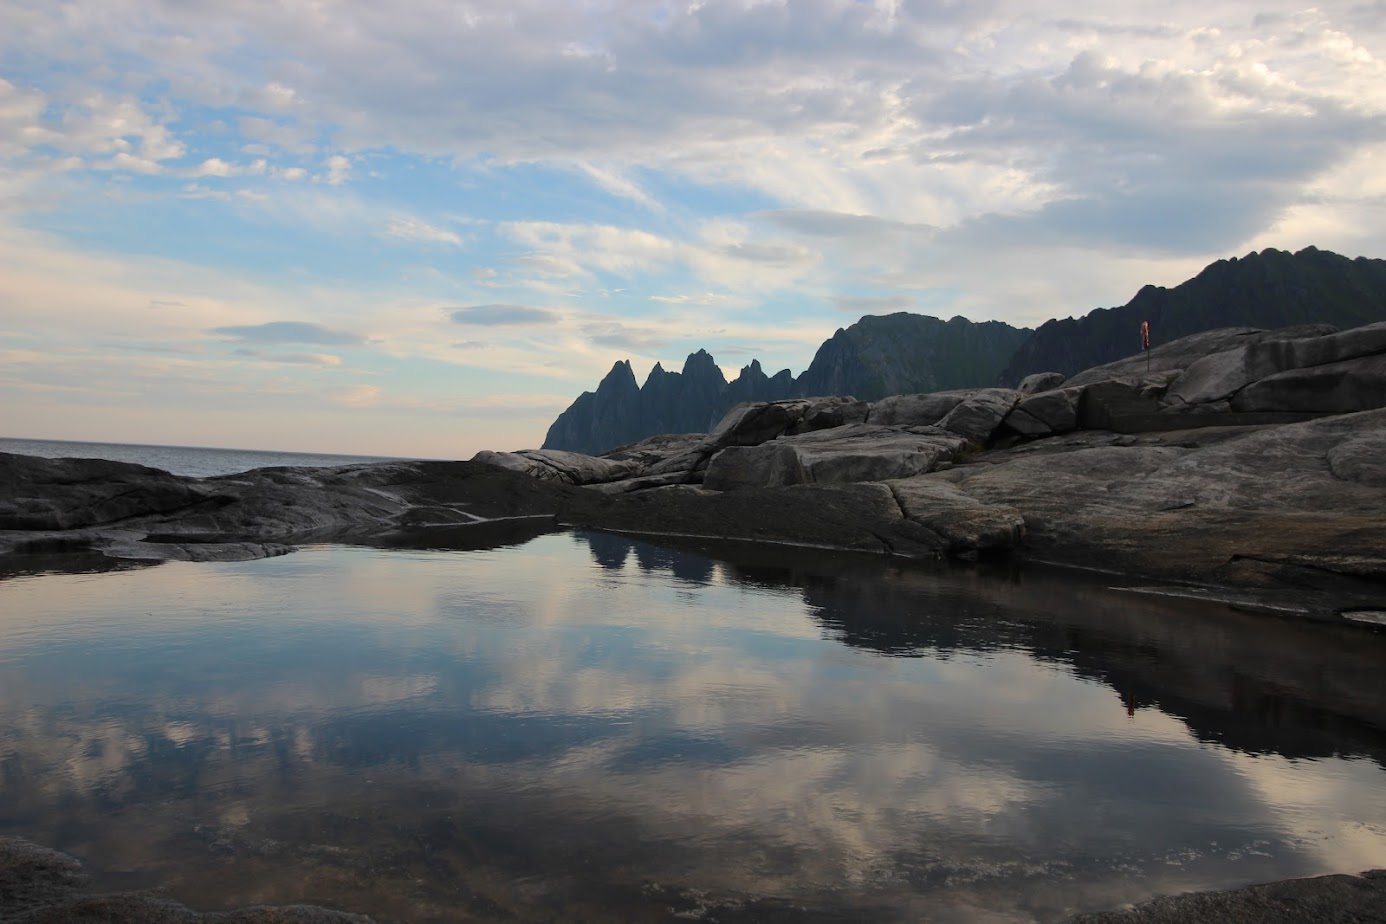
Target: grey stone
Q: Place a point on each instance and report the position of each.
(753, 424)
(1056, 409)
(978, 416)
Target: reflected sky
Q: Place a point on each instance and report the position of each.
(590, 725)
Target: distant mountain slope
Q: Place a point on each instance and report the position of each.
(875, 357)
(900, 354)
(1269, 289)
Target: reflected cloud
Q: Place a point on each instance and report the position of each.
(550, 725)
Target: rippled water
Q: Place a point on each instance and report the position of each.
(199, 462)
(589, 728)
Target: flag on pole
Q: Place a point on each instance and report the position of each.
(1145, 343)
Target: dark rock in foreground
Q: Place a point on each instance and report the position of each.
(42, 886)
(1321, 899)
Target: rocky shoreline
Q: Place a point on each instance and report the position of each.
(1240, 464)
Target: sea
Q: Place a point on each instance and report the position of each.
(575, 725)
(198, 462)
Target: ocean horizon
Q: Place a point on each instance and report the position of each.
(194, 461)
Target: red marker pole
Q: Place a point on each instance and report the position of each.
(1145, 344)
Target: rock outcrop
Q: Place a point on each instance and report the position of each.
(1245, 460)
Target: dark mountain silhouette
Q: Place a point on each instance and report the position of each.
(900, 354)
(1273, 288)
(620, 412)
(908, 353)
(876, 357)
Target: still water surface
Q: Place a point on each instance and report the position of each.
(198, 462)
(584, 727)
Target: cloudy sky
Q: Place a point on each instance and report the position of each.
(422, 228)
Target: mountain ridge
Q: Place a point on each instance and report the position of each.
(877, 356)
(903, 353)
(1267, 289)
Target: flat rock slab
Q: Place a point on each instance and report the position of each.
(838, 456)
(1321, 899)
(965, 523)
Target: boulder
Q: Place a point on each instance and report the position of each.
(1039, 382)
(826, 413)
(1026, 425)
(1222, 375)
(1333, 388)
(860, 452)
(1046, 413)
(977, 416)
(915, 410)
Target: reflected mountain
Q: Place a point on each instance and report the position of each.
(602, 728)
(1251, 682)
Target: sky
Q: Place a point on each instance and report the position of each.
(422, 228)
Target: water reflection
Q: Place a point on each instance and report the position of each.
(593, 725)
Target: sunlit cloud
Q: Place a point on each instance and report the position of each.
(650, 182)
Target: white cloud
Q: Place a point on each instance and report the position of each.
(407, 228)
(989, 158)
(338, 170)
